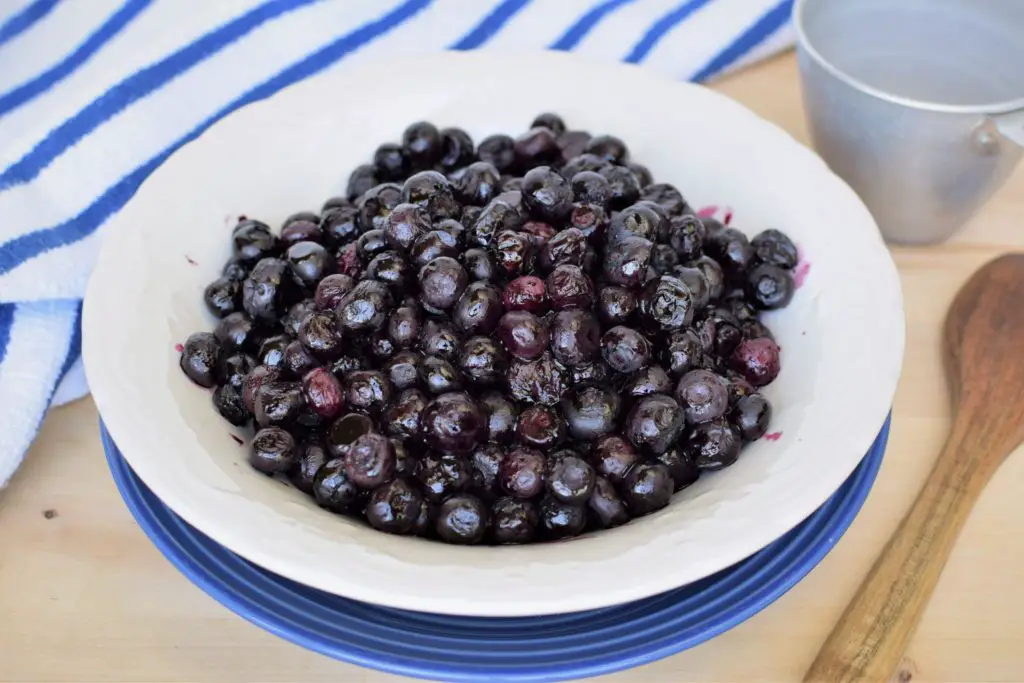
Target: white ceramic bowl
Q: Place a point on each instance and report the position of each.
(842, 337)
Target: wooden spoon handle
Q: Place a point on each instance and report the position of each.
(872, 635)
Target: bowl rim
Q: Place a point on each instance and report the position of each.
(119, 418)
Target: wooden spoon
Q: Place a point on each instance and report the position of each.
(984, 354)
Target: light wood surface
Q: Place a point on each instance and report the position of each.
(84, 596)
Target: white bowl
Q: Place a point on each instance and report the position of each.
(842, 337)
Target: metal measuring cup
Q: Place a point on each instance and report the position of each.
(917, 104)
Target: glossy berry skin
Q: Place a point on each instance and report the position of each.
(231, 370)
(269, 290)
(422, 145)
(366, 307)
(625, 349)
(572, 142)
(547, 195)
(321, 334)
(252, 241)
(403, 419)
(368, 390)
(271, 351)
(769, 287)
(298, 360)
(655, 423)
(522, 473)
(456, 149)
(389, 162)
(200, 357)
(443, 475)
(483, 361)
(278, 403)
(713, 274)
(513, 520)
(624, 186)
(609, 148)
(309, 263)
(535, 147)
(331, 290)
(524, 335)
(605, 506)
(254, 380)
(526, 293)
(561, 520)
(667, 197)
(432, 191)
(589, 186)
(751, 416)
(376, 203)
(273, 450)
(495, 218)
(228, 402)
(552, 122)
(394, 507)
(312, 456)
(479, 265)
(502, 416)
(332, 488)
(499, 151)
(666, 304)
(575, 337)
(627, 264)
(370, 460)
(513, 253)
(223, 296)
(570, 479)
(462, 519)
(339, 226)
(613, 456)
(569, 287)
(323, 393)
(615, 305)
(757, 360)
(236, 332)
(543, 381)
(431, 245)
(453, 423)
(713, 445)
(442, 282)
(404, 225)
(477, 184)
(403, 327)
(438, 338)
(775, 248)
(568, 247)
(648, 487)
(652, 379)
(703, 394)
(540, 427)
(484, 463)
(438, 375)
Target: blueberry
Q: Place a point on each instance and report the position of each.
(655, 423)
(368, 390)
(431, 245)
(389, 162)
(542, 381)
(713, 445)
(376, 204)
(769, 287)
(404, 225)
(252, 241)
(332, 488)
(311, 457)
(453, 423)
(273, 450)
(438, 338)
(394, 507)
(456, 149)
(540, 427)
(561, 520)
(431, 191)
(575, 337)
(625, 188)
(513, 520)
(757, 360)
(269, 291)
(751, 416)
(647, 487)
(403, 419)
(625, 349)
(443, 475)
(478, 265)
(278, 403)
(546, 194)
(526, 293)
(570, 479)
(422, 145)
(613, 457)
(442, 282)
(200, 358)
(323, 393)
(228, 402)
(667, 197)
(366, 307)
(361, 180)
(627, 263)
(502, 416)
(223, 296)
(569, 287)
(522, 473)
(499, 151)
(438, 375)
(513, 253)
(536, 146)
(477, 184)
(703, 395)
(484, 465)
(370, 460)
(462, 519)
(567, 247)
(552, 122)
(271, 351)
(331, 290)
(775, 248)
(524, 335)
(483, 361)
(605, 505)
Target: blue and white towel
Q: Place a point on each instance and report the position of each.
(95, 94)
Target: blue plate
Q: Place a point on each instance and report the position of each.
(547, 648)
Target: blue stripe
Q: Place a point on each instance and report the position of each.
(74, 348)
(28, 246)
(659, 28)
(770, 22)
(39, 84)
(586, 23)
(490, 25)
(138, 85)
(6, 323)
(24, 19)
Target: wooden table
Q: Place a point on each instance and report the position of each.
(84, 595)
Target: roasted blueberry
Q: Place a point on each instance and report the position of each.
(547, 195)
(697, 282)
(438, 375)
(666, 304)
(650, 380)
(442, 475)
(769, 287)
(483, 361)
(297, 360)
(484, 465)
(775, 248)
(344, 431)
(403, 418)
(625, 349)
(404, 225)
(422, 145)
(685, 236)
(394, 507)
(502, 415)
(575, 337)
(376, 203)
(442, 282)
(431, 191)
(232, 369)
(666, 196)
(713, 445)
(570, 478)
(200, 358)
(462, 519)
(561, 520)
(589, 219)
(623, 186)
(453, 423)
(613, 456)
(647, 487)
(496, 217)
(627, 263)
(477, 184)
(609, 148)
(331, 290)
(223, 296)
(589, 374)
(332, 488)
(606, 507)
(366, 307)
(254, 380)
(269, 291)
(542, 381)
(552, 122)
(526, 293)
(655, 423)
(368, 390)
(540, 427)
(370, 460)
(569, 287)
(361, 180)
(523, 334)
(703, 395)
(228, 402)
(733, 252)
(323, 393)
(235, 270)
(271, 351)
(573, 142)
(321, 334)
(404, 326)
(751, 416)
(478, 265)
(513, 520)
(757, 360)
(438, 338)
(311, 457)
(591, 187)
(252, 241)
(681, 467)
(565, 248)
(499, 151)
(714, 275)
(522, 473)
(513, 253)
(537, 146)
(591, 411)
(273, 450)
(340, 226)
(456, 149)
(431, 245)
(278, 403)
(389, 162)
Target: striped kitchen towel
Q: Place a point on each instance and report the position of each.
(95, 94)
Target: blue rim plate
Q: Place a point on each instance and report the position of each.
(546, 648)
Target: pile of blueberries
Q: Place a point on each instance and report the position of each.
(513, 341)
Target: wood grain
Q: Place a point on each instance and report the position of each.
(984, 335)
(84, 596)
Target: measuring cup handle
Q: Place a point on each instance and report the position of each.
(1011, 126)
